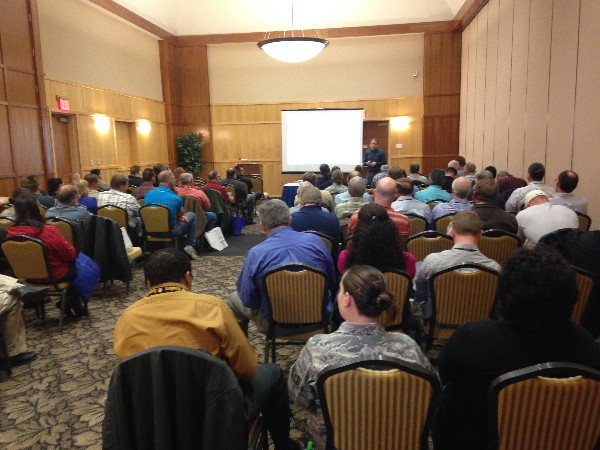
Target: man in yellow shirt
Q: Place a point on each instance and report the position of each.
(172, 315)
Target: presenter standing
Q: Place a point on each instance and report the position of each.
(374, 159)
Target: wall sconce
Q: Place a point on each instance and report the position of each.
(101, 123)
(400, 123)
(143, 126)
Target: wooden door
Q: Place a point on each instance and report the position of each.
(376, 129)
(62, 146)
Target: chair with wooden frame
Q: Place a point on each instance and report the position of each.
(585, 283)
(549, 406)
(499, 245)
(28, 260)
(418, 224)
(297, 295)
(157, 226)
(460, 294)
(115, 213)
(427, 242)
(585, 221)
(398, 283)
(384, 403)
(441, 223)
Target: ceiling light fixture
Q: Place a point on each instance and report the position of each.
(293, 49)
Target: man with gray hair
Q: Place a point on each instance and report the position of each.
(345, 196)
(180, 223)
(461, 188)
(465, 230)
(380, 175)
(311, 217)
(406, 204)
(355, 201)
(282, 246)
(118, 196)
(66, 206)
(187, 188)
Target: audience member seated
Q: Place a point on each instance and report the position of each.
(92, 181)
(345, 196)
(362, 297)
(66, 207)
(380, 175)
(9, 210)
(134, 176)
(492, 170)
(535, 176)
(177, 173)
(541, 217)
(337, 186)
(485, 198)
(384, 195)
(91, 203)
(118, 196)
(435, 191)
(213, 183)
(240, 176)
(326, 198)
(158, 168)
(356, 198)
(245, 201)
(172, 315)
(535, 297)
(406, 204)
(32, 184)
(53, 185)
(470, 169)
(461, 188)
(311, 217)
(565, 185)
(11, 318)
(507, 182)
(417, 178)
(375, 243)
(187, 188)
(462, 162)
(303, 185)
(324, 181)
(102, 185)
(282, 246)
(147, 184)
(465, 230)
(181, 224)
(61, 254)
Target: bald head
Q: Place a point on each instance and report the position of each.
(385, 193)
(461, 187)
(454, 163)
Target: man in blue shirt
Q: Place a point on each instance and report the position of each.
(435, 190)
(311, 217)
(282, 246)
(374, 159)
(181, 224)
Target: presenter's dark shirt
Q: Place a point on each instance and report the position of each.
(377, 156)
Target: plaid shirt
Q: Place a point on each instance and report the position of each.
(346, 209)
(122, 200)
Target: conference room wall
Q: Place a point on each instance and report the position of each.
(530, 90)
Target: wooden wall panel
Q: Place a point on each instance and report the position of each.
(6, 168)
(464, 69)
(480, 88)
(2, 87)
(16, 35)
(20, 88)
(95, 148)
(152, 148)
(25, 140)
(538, 74)
(491, 64)
(192, 76)
(471, 83)
(123, 143)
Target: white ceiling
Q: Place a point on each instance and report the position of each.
(198, 17)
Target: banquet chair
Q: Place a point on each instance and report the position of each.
(441, 223)
(498, 245)
(157, 227)
(418, 224)
(115, 213)
(427, 242)
(549, 406)
(385, 403)
(28, 260)
(399, 283)
(585, 221)
(297, 295)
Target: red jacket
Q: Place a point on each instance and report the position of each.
(215, 186)
(60, 253)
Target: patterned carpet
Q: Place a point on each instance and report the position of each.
(58, 400)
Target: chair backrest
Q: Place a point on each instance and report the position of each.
(156, 220)
(441, 223)
(427, 242)
(27, 257)
(460, 294)
(217, 205)
(550, 406)
(418, 224)
(140, 202)
(331, 246)
(436, 201)
(115, 213)
(377, 404)
(43, 211)
(297, 293)
(174, 398)
(585, 221)
(585, 283)
(229, 188)
(398, 283)
(257, 184)
(72, 233)
(499, 245)
(6, 222)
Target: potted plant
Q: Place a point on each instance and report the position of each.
(189, 152)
